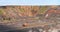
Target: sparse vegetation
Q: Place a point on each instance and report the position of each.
(1, 12)
(43, 9)
(22, 10)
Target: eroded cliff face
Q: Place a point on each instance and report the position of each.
(24, 11)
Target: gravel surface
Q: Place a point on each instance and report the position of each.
(15, 25)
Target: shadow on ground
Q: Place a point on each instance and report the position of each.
(4, 28)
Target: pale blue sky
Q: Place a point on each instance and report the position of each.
(29, 2)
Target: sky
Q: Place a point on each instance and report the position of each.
(29, 2)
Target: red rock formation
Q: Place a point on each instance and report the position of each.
(52, 11)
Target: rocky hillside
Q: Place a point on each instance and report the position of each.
(20, 10)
